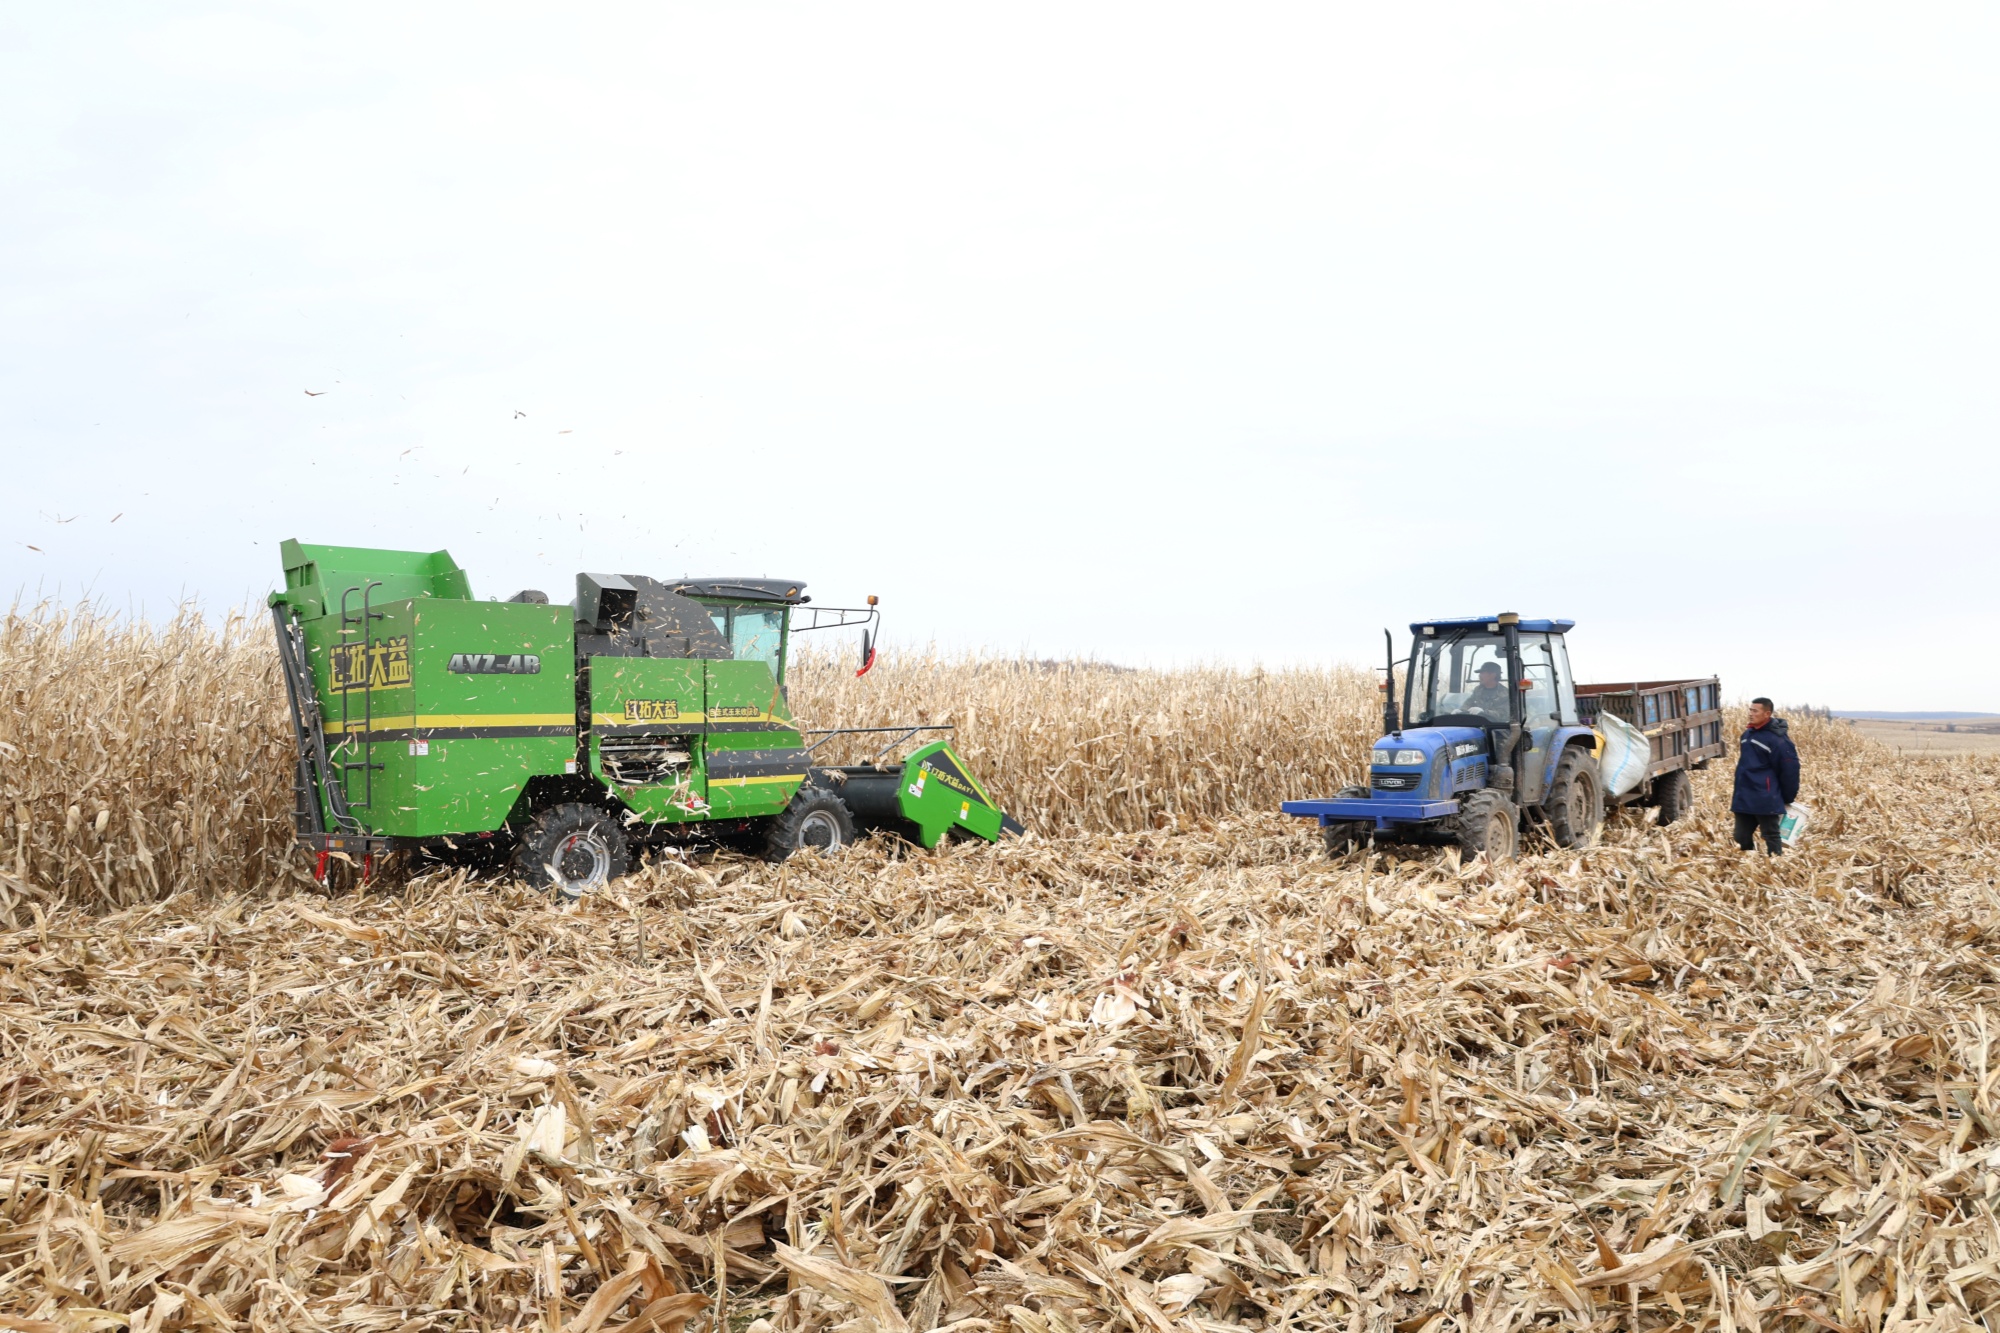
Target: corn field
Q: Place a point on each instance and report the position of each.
(1079, 748)
(139, 761)
(136, 760)
(1177, 1073)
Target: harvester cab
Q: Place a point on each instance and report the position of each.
(568, 737)
(1486, 735)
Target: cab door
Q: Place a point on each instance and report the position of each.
(1543, 671)
(1565, 682)
(755, 762)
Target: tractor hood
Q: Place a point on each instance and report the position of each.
(1427, 741)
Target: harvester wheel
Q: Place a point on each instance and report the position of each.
(1575, 806)
(816, 818)
(1488, 825)
(574, 849)
(1673, 795)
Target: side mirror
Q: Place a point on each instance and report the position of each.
(868, 641)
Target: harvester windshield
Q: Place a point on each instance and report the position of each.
(754, 632)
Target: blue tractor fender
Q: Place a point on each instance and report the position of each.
(1561, 740)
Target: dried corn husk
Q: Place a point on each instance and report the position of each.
(1194, 1077)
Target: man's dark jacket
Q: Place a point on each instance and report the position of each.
(1767, 770)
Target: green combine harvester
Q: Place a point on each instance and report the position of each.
(566, 739)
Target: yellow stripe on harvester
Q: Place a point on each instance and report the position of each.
(385, 721)
(746, 782)
(620, 720)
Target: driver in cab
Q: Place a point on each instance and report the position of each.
(1489, 697)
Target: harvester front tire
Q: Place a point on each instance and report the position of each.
(1489, 826)
(573, 849)
(1673, 796)
(816, 818)
(1575, 807)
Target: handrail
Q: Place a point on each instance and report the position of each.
(901, 732)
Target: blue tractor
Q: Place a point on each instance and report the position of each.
(1487, 736)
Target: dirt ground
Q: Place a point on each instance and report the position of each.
(1948, 737)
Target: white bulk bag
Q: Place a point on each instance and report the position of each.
(1626, 756)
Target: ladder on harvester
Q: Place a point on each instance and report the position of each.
(320, 780)
(361, 680)
(314, 792)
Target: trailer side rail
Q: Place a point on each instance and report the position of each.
(1682, 718)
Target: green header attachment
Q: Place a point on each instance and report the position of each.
(939, 793)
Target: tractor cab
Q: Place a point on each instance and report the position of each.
(1463, 675)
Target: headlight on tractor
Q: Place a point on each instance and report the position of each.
(1410, 757)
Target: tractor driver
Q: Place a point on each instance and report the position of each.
(1489, 698)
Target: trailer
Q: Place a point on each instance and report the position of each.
(1683, 721)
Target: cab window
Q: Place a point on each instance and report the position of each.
(1445, 677)
(754, 632)
(1538, 670)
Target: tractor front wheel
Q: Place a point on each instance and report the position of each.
(816, 818)
(1489, 826)
(1575, 807)
(1345, 837)
(574, 849)
(1673, 795)
(1347, 834)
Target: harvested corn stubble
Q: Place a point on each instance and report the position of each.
(1180, 1072)
(1171, 1080)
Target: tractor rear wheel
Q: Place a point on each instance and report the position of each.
(574, 849)
(1673, 794)
(1575, 806)
(1488, 825)
(816, 818)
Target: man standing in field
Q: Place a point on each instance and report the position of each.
(1767, 779)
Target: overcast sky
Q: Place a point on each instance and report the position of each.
(1150, 333)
